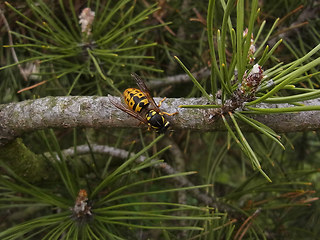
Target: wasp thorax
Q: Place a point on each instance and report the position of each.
(157, 121)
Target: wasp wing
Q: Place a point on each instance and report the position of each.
(141, 84)
(127, 110)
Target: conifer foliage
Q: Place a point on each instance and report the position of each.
(224, 57)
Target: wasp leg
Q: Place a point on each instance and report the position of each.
(169, 114)
(159, 105)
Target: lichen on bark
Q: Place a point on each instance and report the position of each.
(24, 162)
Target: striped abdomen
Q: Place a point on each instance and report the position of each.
(135, 99)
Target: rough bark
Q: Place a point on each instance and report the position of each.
(98, 112)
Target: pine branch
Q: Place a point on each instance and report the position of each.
(97, 112)
(164, 167)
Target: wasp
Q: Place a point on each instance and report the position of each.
(140, 105)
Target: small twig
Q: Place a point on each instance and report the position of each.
(199, 17)
(178, 79)
(101, 149)
(290, 14)
(180, 163)
(245, 226)
(284, 32)
(157, 16)
(31, 87)
(13, 52)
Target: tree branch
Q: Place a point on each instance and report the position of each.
(164, 167)
(97, 112)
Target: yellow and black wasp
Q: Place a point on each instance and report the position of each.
(140, 105)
